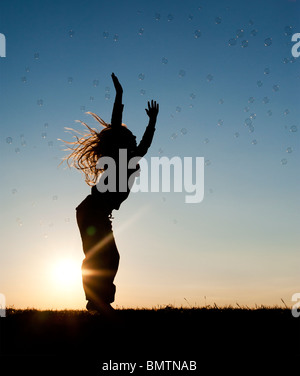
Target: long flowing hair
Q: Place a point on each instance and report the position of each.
(88, 147)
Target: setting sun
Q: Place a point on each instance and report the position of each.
(66, 273)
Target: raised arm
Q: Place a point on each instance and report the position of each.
(152, 112)
(116, 117)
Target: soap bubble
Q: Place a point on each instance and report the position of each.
(44, 135)
(251, 23)
(9, 140)
(105, 34)
(70, 80)
(107, 96)
(284, 161)
(107, 89)
(46, 125)
(252, 116)
(253, 142)
(209, 77)
(236, 135)
(173, 136)
(82, 108)
(50, 143)
(218, 20)
(95, 83)
(239, 33)
(141, 76)
(232, 42)
(17, 150)
(178, 109)
(192, 96)
(157, 16)
(265, 100)
(251, 99)
(14, 191)
(190, 17)
(24, 79)
(160, 151)
(191, 105)
(259, 83)
(27, 69)
(92, 98)
(141, 31)
(268, 42)
(247, 109)
(40, 102)
(116, 38)
(181, 73)
(244, 43)
(142, 92)
(293, 128)
(221, 101)
(248, 122)
(269, 112)
(170, 17)
(19, 222)
(220, 122)
(183, 131)
(267, 71)
(253, 33)
(288, 30)
(36, 56)
(71, 33)
(275, 87)
(164, 60)
(289, 149)
(206, 141)
(286, 112)
(197, 34)
(251, 128)
(286, 60)
(207, 162)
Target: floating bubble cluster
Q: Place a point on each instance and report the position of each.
(141, 76)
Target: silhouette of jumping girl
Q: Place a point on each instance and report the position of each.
(101, 261)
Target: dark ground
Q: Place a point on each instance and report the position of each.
(214, 337)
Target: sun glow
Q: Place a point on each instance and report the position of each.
(66, 273)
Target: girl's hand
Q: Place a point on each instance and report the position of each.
(117, 84)
(152, 110)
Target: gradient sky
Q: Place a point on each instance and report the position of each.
(241, 244)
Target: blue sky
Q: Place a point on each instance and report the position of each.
(240, 244)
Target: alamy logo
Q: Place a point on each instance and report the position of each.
(295, 51)
(2, 305)
(2, 45)
(161, 175)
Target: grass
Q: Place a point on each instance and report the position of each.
(159, 333)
